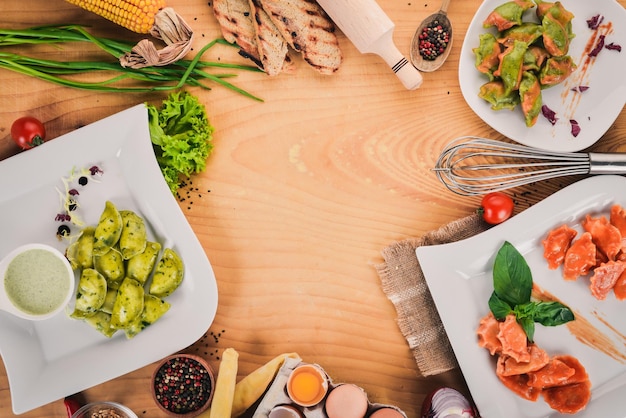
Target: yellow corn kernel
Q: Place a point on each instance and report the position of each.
(134, 15)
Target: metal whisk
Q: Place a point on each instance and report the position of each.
(473, 166)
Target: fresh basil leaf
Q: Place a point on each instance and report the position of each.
(525, 310)
(499, 308)
(529, 327)
(512, 279)
(552, 313)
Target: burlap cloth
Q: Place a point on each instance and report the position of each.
(404, 284)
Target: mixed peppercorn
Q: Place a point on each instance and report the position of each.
(433, 40)
(182, 385)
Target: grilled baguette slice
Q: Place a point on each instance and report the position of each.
(235, 19)
(307, 29)
(273, 48)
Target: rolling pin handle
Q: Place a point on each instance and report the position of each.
(406, 72)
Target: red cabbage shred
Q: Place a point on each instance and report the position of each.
(575, 127)
(595, 22)
(614, 47)
(596, 50)
(549, 114)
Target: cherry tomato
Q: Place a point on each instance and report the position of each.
(28, 132)
(496, 207)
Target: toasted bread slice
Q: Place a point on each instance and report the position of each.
(307, 29)
(235, 19)
(273, 48)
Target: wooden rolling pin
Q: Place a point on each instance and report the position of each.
(371, 31)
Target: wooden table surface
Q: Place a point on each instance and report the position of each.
(306, 189)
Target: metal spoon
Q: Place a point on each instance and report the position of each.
(417, 59)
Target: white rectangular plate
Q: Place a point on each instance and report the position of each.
(51, 359)
(459, 276)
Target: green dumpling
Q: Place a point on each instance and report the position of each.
(530, 98)
(101, 322)
(134, 236)
(511, 65)
(493, 92)
(128, 304)
(141, 265)
(153, 309)
(108, 230)
(507, 14)
(92, 290)
(487, 55)
(556, 40)
(168, 274)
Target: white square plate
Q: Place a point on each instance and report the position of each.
(51, 359)
(460, 279)
(595, 110)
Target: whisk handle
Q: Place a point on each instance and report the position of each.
(607, 163)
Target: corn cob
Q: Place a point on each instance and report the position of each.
(146, 17)
(134, 15)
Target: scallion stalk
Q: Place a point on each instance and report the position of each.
(171, 77)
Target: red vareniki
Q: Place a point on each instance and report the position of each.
(599, 252)
(529, 372)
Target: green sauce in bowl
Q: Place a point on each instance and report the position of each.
(38, 281)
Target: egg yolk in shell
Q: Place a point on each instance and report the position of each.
(306, 386)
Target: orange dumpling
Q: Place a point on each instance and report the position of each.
(556, 244)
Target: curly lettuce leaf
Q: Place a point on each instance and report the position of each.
(181, 135)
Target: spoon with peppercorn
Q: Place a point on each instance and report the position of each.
(432, 41)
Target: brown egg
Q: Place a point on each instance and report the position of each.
(284, 411)
(386, 413)
(346, 401)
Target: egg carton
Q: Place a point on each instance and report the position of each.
(277, 395)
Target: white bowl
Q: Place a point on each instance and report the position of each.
(7, 305)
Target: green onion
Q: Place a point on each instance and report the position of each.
(170, 77)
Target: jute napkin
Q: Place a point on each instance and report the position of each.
(404, 284)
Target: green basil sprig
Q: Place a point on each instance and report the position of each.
(513, 284)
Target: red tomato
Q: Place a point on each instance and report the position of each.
(28, 132)
(496, 207)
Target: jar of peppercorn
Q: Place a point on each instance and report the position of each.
(183, 385)
(103, 410)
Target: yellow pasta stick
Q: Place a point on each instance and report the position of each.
(252, 387)
(222, 404)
